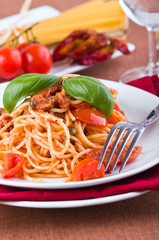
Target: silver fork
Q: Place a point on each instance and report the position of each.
(130, 129)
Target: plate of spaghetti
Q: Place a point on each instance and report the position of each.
(53, 128)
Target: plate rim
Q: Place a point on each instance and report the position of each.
(74, 203)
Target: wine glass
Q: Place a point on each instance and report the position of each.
(144, 13)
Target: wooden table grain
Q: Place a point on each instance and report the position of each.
(133, 219)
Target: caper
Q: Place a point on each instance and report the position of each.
(72, 131)
(50, 98)
(22, 113)
(33, 104)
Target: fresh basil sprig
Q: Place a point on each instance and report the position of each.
(24, 86)
(90, 90)
(85, 88)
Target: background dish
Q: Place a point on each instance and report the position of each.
(72, 204)
(136, 104)
(45, 12)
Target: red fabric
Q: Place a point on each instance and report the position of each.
(155, 81)
(148, 83)
(148, 180)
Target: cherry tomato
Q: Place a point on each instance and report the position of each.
(12, 165)
(87, 169)
(10, 62)
(23, 45)
(36, 59)
(91, 116)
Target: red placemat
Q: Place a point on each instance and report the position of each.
(148, 180)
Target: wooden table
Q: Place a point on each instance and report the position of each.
(133, 219)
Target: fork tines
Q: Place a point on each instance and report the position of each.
(126, 131)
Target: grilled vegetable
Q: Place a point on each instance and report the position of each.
(70, 43)
(87, 47)
(100, 55)
(94, 42)
(120, 45)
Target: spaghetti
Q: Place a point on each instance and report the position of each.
(52, 142)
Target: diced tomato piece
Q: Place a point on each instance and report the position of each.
(135, 153)
(12, 165)
(96, 153)
(91, 116)
(87, 169)
(116, 107)
(113, 119)
(116, 116)
(81, 105)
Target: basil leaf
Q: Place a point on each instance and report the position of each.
(90, 90)
(26, 85)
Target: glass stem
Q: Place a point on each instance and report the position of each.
(157, 48)
(153, 51)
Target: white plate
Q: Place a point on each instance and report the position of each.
(72, 204)
(136, 104)
(42, 13)
(33, 15)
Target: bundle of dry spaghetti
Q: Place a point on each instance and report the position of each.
(101, 15)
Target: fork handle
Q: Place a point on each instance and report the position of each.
(153, 115)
